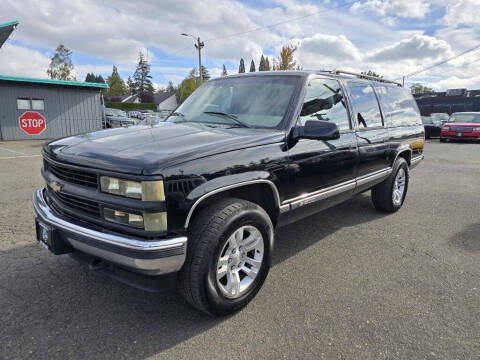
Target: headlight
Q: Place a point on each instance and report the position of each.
(476, 129)
(145, 190)
(149, 221)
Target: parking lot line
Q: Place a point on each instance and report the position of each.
(13, 151)
(20, 156)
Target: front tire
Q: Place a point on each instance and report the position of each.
(389, 195)
(228, 256)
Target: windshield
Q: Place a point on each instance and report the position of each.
(252, 101)
(467, 117)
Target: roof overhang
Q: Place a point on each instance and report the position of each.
(6, 30)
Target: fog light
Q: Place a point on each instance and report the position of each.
(155, 221)
(124, 218)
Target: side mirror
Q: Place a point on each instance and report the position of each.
(319, 130)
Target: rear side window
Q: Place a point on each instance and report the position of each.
(399, 107)
(365, 105)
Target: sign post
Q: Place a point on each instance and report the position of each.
(32, 122)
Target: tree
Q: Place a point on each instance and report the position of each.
(261, 67)
(252, 66)
(418, 88)
(267, 64)
(371, 73)
(142, 78)
(61, 67)
(116, 84)
(170, 88)
(90, 78)
(99, 79)
(205, 74)
(241, 67)
(146, 97)
(131, 86)
(187, 86)
(224, 70)
(286, 61)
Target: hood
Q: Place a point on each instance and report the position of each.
(149, 149)
(466, 124)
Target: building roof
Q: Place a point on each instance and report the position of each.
(5, 31)
(157, 98)
(52, 82)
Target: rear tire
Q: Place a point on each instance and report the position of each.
(223, 271)
(389, 195)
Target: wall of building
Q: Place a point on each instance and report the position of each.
(168, 104)
(68, 110)
(447, 104)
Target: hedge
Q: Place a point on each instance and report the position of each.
(131, 106)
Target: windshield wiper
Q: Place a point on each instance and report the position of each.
(233, 117)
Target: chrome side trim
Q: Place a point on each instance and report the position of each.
(365, 179)
(47, 215)
(322, 194)
(415, 161)
(228, 187)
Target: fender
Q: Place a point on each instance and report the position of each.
(228, 182)
(400, 149)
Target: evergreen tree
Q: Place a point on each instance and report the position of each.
(224, 70)
(252, 66)
(267, 64)
(142, 78)
(116, 84)
(89, 78)
(61, 67)
(241, 67)
(205, 74)
(131, 86)
(261, 67)
(99, 79)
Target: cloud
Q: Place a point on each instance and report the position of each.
(399, 8)
(416, 47)
(21, 61)
(462, 12)
(455, 82)
(320, 50)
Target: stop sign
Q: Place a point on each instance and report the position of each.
(32, 122)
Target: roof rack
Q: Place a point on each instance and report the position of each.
(364, 76)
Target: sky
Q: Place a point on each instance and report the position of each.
(390, 37)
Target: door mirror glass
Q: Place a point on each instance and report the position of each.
(319, 130)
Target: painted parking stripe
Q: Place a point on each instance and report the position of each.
(17, 157)
(13, 151)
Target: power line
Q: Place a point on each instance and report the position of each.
(442, 62)
(282, 22)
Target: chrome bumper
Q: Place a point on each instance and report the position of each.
(153, 257)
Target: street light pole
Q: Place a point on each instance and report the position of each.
(199, 45)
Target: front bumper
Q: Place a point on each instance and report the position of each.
(152, 257)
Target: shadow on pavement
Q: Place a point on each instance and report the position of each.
(53, 307)
(468, 239)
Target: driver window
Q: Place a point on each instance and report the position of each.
(325, 101)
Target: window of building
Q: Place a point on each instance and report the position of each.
(23, 104)
(325, 101)
(365, 105)
(38, 104)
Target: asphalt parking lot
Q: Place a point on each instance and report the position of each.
(348, 283)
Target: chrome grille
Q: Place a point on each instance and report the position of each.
(461, 129)
(75, 203)
(72, 175)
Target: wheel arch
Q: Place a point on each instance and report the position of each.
(263, 192)
(404, 151)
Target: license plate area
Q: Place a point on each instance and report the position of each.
(49, 238)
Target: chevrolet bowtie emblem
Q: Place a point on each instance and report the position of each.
(56, 186)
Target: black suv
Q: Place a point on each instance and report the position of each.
(202, 193)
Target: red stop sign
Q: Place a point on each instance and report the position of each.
(32, 122)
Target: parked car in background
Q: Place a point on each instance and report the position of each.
(202, 193)
(133, 114)
(117, 118)
(462, 126)
(433, 127)
(441, 117)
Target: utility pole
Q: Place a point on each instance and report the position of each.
(403, 81)
(199, 45)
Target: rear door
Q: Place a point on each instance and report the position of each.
(370, 130)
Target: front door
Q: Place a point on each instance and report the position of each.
(318, 165)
